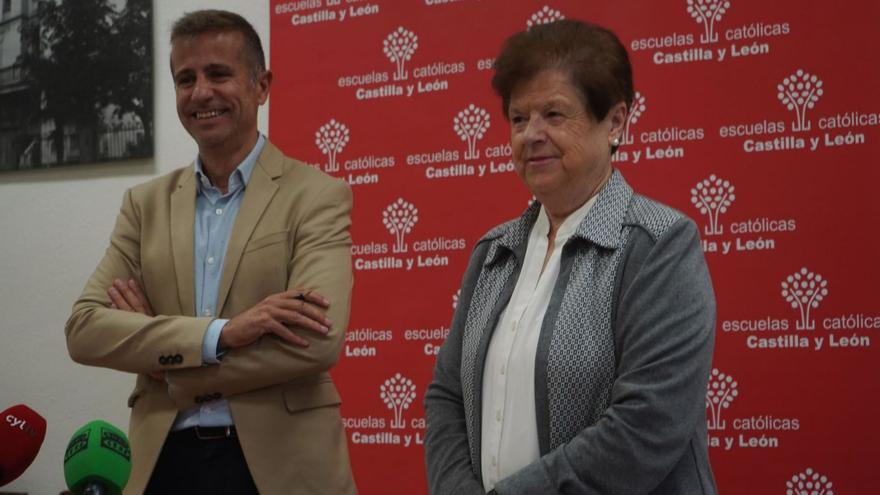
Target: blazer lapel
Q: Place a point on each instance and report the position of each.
(182, 222)
(258, 193)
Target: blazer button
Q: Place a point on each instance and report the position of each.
(178, 359)
(163, 360)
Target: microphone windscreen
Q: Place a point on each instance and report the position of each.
(98, 453)
(22, 431)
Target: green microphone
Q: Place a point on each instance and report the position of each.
(97, 460)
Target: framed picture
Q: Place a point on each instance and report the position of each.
(76, 82)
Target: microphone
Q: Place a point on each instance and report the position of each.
(22, 431)
(97, 460)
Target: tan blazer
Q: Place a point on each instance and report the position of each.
(292, 230)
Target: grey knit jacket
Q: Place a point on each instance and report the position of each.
(622, 364)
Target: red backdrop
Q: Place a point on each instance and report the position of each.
(757, 119)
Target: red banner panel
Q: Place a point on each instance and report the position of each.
(754, 118)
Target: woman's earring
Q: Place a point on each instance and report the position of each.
(615, 142)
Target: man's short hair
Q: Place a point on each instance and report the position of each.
(200, 22)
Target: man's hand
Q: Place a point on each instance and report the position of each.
(297, 307)
(128, 296)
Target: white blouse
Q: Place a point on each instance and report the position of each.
(509, 427)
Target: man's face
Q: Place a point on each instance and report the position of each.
(217, 92)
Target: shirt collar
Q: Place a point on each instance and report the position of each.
(569, 225)
(242, 173)
(602, 223)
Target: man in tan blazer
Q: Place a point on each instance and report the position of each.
(226, 289)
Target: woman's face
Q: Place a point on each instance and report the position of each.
(560, 151)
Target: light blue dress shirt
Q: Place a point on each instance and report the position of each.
(215, 216)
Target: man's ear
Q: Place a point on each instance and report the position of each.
(264, 83)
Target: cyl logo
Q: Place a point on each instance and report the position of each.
(712, 197)
(635, 112)
(399, 47)
(470, 124)
(804, 290)
(399, 218)
(331, 139)
(398, 392)
(707, 13)
(544, 16)
(720, 393)
(799, 92)
(809, 483)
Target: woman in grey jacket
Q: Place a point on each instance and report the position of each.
(581, 346)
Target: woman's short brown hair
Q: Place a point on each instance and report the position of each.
(592, 56)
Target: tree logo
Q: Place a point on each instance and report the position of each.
(719, 395)
(800, 92)
(399, 218)
(707, 12)
(804, 290)
(809, 483)
(331, 139)
(470, 124)
(635, 111)
(712, 197)
(398, 392)
(544, 16)
(399, 47)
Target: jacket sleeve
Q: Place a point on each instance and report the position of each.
(665, 327)
(321, 261)
(100, 336)
(447, 450)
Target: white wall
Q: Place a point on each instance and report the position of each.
(54, 227)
